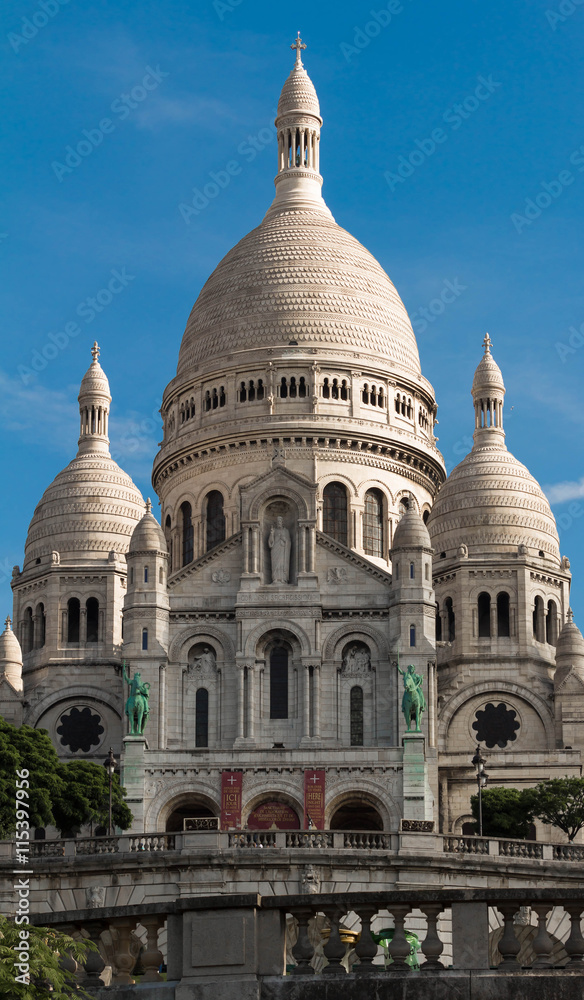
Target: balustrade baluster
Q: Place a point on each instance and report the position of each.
(542, 944)
(123, 957)
(303, 949)
(366, 947)
(432, 946)
(334, 949)
(574, 946)
(509, 946)
(399, 947)
(94, 963)
(151, 956)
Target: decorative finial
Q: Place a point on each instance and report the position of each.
(95, 351)
(487, 344)
(8, 624)
(570, 617)
(298, 45)
(148, 506)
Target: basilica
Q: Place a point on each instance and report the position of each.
(310, 559)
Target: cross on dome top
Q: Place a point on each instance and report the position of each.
(570, 616)
(298, 45)
(148, 506)
(8, 624)
(487, 344)
(95, 351)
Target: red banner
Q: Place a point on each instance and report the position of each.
(231, 800)
(314, 800)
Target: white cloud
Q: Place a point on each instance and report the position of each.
(563, 492)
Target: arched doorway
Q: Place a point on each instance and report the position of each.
(355, 814)
(190, 808)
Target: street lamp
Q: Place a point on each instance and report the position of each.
(110, 763)
(479, 762)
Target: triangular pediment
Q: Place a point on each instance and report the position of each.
(279, 482)
(571, 683)
(8, 692)
(219, 569)
(342, 571)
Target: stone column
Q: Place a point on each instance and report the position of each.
(316, 690)
(240, 702)
(301, 548)
(162, 706)
(256, 542)
(245, 533)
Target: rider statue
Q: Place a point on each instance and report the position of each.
(413, 701)
(137, 708)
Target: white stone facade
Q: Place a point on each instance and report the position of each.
(293, 567)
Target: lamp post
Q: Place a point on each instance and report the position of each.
(479, 762)
(110, 763)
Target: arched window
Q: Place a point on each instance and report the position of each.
(412, 571)
(503, 629)
(373, 540)
(551, 624)
(187, 533)
(144, 638)
(202, 718)
(145, 574)
(438, 624)
(484, 607)
(28, 631)
(260, 391)
(73, 619)
(538, 620)
(334, 520)
(41, 626)
(92, 619)
(283, 388)
(356, 716)
(279, 683)
(161, 575)
(215, 519)
(412, 635)
(425, 516)
(242, 393)
(449, 609)
(131, 575)
(168, 536)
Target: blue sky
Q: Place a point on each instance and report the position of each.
(452, 148)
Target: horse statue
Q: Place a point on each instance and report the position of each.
(137, 708)
(413, 701)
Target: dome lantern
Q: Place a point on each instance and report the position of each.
(298, 181)
(488, 392)
(94, 403)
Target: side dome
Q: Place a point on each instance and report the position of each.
(91, 507)
(490, 501)
(10, 657)
(148, 536)
(411, 532)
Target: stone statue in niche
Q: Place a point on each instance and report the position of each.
(357, 660)
(205, 661)
(280, 543)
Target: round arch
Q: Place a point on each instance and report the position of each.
(272, 493)
(201, 633)
(337, 477)
(177, 794)
(359, 631)
(368, 793)
(282, 625)
(280, 794)
(79, 691)
(503, 687)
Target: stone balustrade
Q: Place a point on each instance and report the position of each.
(231, 945)
(298, 839)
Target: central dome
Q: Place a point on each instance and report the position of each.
(299, 277)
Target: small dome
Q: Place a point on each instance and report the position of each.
(298, 93)
(95, 382)
(488, 378)
(148, 536)
(10, 657)
(411, 532)
(570, 645)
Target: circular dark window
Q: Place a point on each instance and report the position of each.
(80, 729)
(496, 725)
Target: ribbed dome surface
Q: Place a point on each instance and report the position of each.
(94, 381)
(492, 503)
(487, 376)
(411, 532)
(298, 93)
(570, 645)
(89, 510)
(148, 536)
(10, 651)
(299, 277)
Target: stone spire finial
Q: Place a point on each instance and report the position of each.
(570, 616)
(298, 45)
(487, 344)
(95, 351)
(148, 506)
(8, 624)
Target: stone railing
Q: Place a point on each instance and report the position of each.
(230, 945)
(281, 840)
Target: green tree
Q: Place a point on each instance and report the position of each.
(506, 813)
(559, 801)
(86, 794)
(44, 948)
(66, 795)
